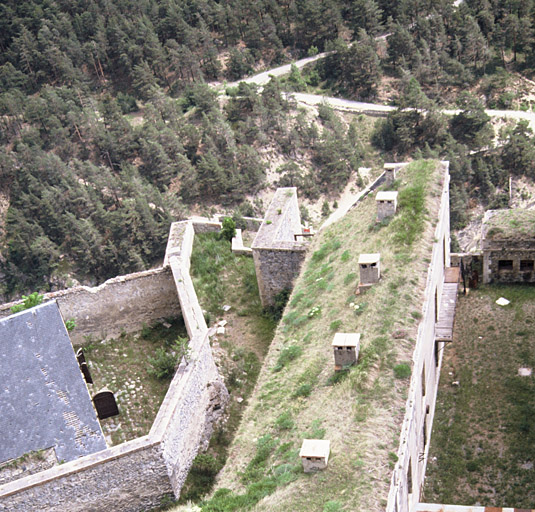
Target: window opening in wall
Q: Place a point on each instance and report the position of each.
(526, 265)
(423, 381)
(505, 264)
(444, 251)
(409, 477)
(436, 305)
(436, 353)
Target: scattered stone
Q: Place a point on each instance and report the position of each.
(226, 307)
(502, 301)
(456, 383)
(222, 323)
(524, 372)
(167, 325)
(239, 399)
(220, 330)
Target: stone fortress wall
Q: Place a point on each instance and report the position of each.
(409, 471)
(136, 475)
(277, 255)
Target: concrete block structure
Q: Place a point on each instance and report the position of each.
(346, 348)
(370, 268)
(387, 203)
(391, 170)
(314, 454)
(508, 246)
(277, 254)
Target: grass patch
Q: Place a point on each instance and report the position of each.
(287, 354)
(120, 365)
(483, 435)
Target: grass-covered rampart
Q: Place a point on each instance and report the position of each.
(298, 394)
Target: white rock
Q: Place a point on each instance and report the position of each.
(502, 301)
(226, 307)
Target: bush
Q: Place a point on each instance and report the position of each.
(402, 371)
(303, 390)
(28, 301)
(162, 366)
(228, 230)
(279, 303)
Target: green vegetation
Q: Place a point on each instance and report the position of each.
(297, 387)
(120, 364)
(28, 301)
(402, 371)
(228, 229)
(482, 444)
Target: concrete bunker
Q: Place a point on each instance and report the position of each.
(387, 203)
(369, 268)
(508, 246)
(314, 454)
(346, 348)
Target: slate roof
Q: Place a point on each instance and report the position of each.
(44, 401)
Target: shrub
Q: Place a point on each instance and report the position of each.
(303, 390)
(335, 325)
(162, 366)
(70, 324)
(228, 229)
(402, 371)
(287, 354)
(28, 301)
(284, 421)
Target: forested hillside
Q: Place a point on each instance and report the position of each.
(109, 129)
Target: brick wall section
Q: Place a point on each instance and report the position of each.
(277, 256)
(123, 303)
(136, 475)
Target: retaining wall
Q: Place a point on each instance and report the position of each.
(409, 471)
(120, 304)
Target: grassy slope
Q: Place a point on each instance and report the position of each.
(361, 415)
(486, 453)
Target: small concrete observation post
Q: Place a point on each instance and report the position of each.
(315, 454)
(346, 348)
(391, 169)
(387, 203)
(370, 268)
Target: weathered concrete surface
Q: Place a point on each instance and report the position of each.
(120, 304)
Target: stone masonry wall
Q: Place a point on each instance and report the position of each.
(278, 270)
(123, 303)
(136, 475)
(126, 478)
(277, 256)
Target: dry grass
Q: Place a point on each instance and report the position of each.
(362, 413)
(483, 440)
